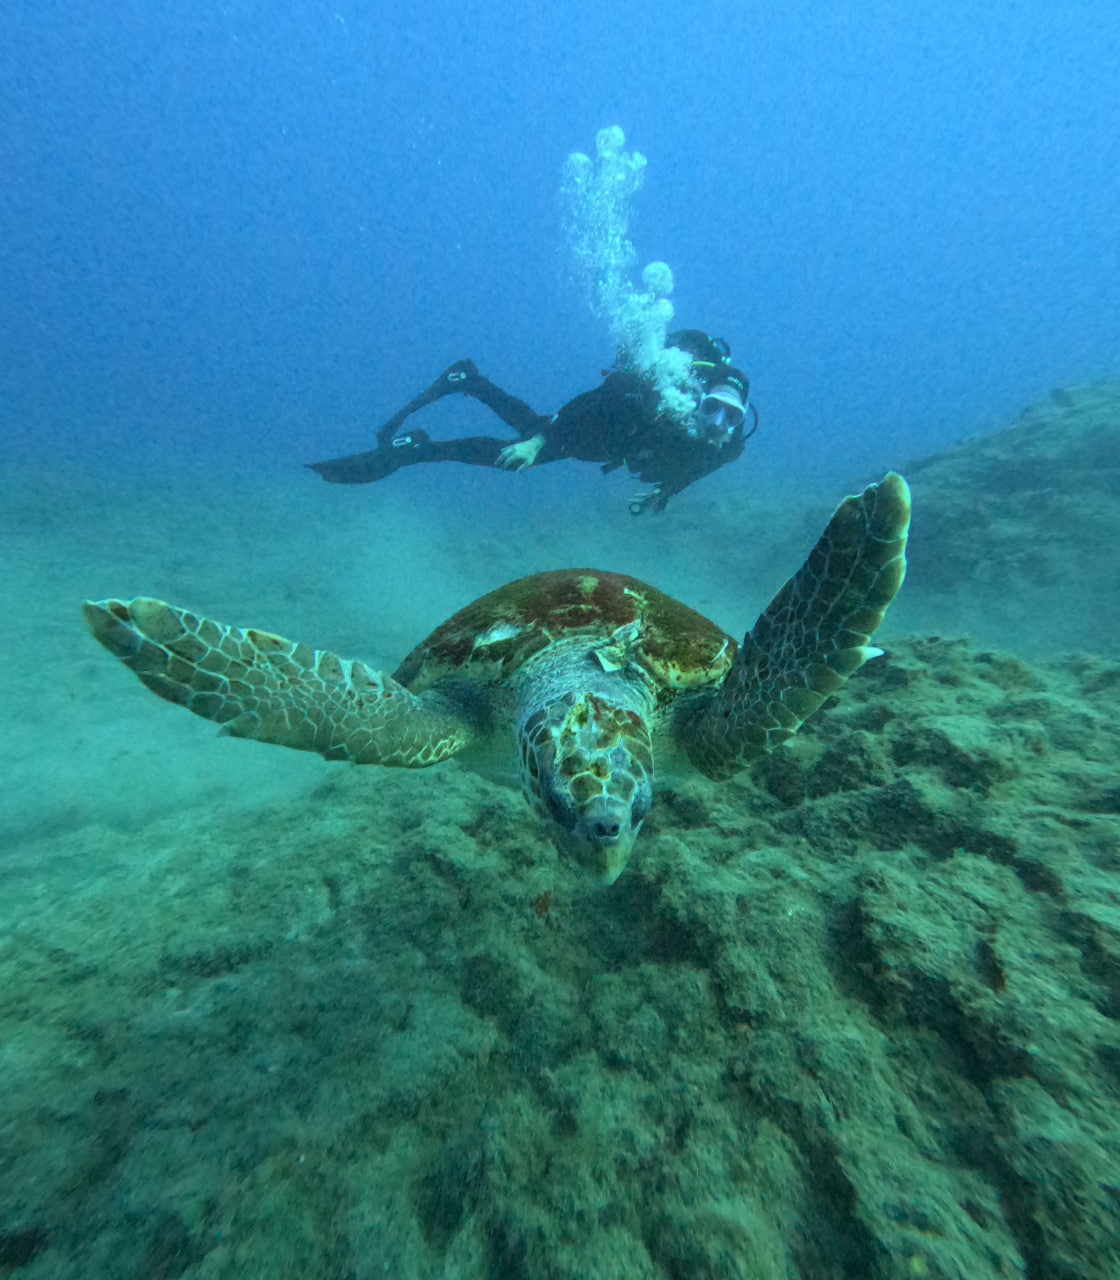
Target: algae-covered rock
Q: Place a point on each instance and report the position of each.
(1017, 531)
(860, 1026)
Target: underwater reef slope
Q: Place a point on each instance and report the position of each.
(1017, 532)
(855, 1016)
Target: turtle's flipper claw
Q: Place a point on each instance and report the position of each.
(812, 636)
(259, 685)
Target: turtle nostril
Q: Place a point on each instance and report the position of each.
(605, 821)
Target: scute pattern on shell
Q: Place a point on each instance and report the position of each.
(678, 647)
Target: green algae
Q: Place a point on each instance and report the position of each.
(854, 1025)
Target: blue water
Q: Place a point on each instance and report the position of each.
(243, 233)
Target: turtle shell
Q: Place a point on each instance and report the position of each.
(491, 638)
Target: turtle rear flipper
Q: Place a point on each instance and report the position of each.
(259, 685)
(812, 636)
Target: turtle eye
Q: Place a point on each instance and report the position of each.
(639, 808)
(559, 802)
(562, 813)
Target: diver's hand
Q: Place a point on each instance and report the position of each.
(654, 500)
(516, 457)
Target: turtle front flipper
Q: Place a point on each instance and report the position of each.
(259, 685)
(812, 636)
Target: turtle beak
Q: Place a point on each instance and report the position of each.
(604, 836)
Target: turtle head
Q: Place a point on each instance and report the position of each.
(587, 764)
(599, 833)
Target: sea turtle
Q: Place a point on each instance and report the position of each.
(586, 667)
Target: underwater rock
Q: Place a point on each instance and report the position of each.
(862, 1025)
(1017, 531)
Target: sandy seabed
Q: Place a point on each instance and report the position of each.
(853, 1015)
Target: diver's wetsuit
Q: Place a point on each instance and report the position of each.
(617, 424)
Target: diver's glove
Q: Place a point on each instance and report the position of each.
(654, 500)
(522, 454)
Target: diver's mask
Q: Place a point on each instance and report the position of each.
(718, 414)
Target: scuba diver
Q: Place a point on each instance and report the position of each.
(667, 438)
